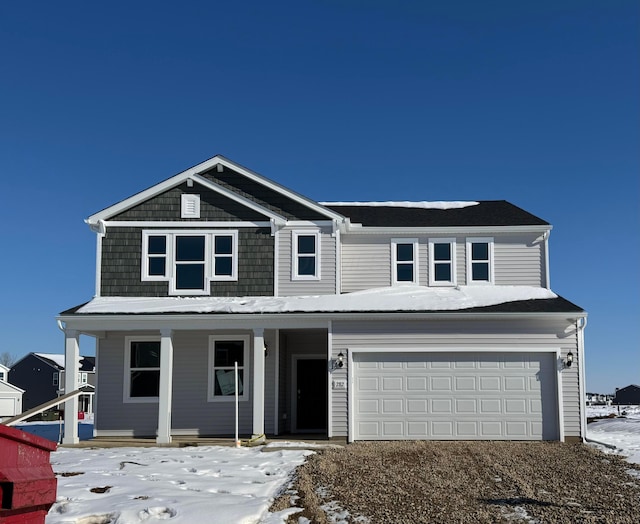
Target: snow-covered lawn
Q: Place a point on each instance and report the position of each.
(215, 484)
(211, 484)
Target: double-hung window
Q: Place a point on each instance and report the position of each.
(306, 255)
(142, 370)
(404, 260)
(224, 353)
(442, 262)
(189, 260)
(480, 261)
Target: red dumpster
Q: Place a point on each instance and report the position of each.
(27, 482)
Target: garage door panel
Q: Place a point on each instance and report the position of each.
(455, 396)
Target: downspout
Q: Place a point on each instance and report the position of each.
(581, 323)
(546, 259)
(100, 228)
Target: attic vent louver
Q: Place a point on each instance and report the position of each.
(190, 206)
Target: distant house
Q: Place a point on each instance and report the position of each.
(41, 376)
(4, 373)
(628, 395)
(10, 395)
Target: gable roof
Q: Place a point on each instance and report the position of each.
(57, 360)
(193, 173)
(482, 213)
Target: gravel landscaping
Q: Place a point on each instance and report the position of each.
(446, 482)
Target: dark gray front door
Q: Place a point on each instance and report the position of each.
(311, 405)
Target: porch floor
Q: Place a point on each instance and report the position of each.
(293, 442)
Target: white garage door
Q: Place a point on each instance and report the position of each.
(463, 396)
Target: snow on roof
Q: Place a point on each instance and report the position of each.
(54, 357)
(388, 299)
(419, 205)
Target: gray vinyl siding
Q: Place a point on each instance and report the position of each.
(327, 283)
(191, 413)
(366, 260)
(122, 256)
(458, 335)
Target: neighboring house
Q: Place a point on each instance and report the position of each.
(598, 399)
(4, 373)
(627, 395)
(41, 376)
(364, 321)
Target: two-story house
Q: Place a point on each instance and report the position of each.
(364, 321)
(41, 376)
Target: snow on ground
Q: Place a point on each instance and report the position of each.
(212, 484)
(216, 484)
(622, 432)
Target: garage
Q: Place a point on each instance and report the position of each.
(455, 396)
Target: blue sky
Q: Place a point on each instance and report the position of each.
(533, 102)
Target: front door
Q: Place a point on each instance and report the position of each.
(311, 394)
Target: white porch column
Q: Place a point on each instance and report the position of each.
(258, 382)
(71, 376)
(166, 385)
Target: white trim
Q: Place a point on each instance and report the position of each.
(276, 262)
(395, 350)
(234, 255)
(394, 261)
(246, 367)
(432, 262)
(206, 263)
(165, 388)
(359, 229)
(580, 355)
(480, 240)
(294, 386)
(338, 259)
(295, 256)
(126, 385)
(184, 224)
(71, 354)
(99, 238)
(546, 260)
(258, 379)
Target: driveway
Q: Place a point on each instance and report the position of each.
(445, 482)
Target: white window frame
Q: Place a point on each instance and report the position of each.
(295, 275)
(246, 376)
(234, 255)
(83, 378)
(170, 267)
(126, 394)
(433, 262)
(479, 240)
(394, 261)
(55, 380)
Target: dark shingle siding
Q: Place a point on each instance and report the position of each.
(213, 206)
(273, 200)
(121, 269)
(485, 213)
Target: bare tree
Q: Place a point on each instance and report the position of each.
(7, 359)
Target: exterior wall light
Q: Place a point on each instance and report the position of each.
(569, 360)
(340, 361)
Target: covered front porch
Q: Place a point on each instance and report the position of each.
(165, 377)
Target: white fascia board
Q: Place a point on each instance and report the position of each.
(9, 385)
(359, 229)
(91, 324)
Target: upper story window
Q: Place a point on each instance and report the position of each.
(224, 353)
(404, 260)
(142, 370)
(479, 260)
(306, 255)
(189, 260)
(442, 262)
(2, 376)
(55, 378)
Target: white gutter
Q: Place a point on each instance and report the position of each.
(547, 269)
